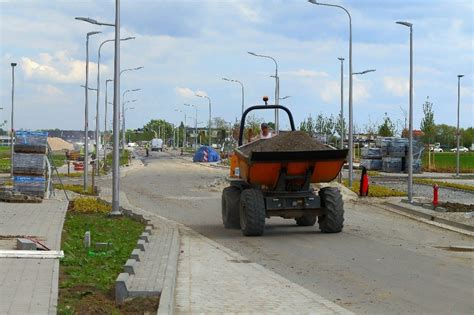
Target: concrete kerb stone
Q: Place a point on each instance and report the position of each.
(145, 237)
(141, 245)
(129, 266)
(135, 254)
(121, 291)
(428, 218)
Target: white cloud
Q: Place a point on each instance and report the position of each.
(59, 68)
(396, 85)
(246, 12)
(49, 90)
(306, 73)
(185, 92)
(331, 91)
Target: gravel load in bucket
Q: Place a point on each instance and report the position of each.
(292, 141)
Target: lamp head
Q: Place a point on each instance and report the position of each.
(340, 58)
(460, 75)
(13, 64)
(225, 79)
(405, 23)
(128, 38)
(93, 33)
(313, 1)
(85, 19)
(251, 53)
(138, 68)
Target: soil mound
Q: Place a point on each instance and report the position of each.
(58, 144)
(285, 142)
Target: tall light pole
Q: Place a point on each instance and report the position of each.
(123, 120)
(116, 158)
(195, 124)
(242, 86)
(277, 87)
(12, 128)
(97, 125)
(184, 125)
(210, 119)
(351, 127)
(124, 111)
(341, 117)
(86, 113)
(410, 118)
(457, 128)
(105, 121)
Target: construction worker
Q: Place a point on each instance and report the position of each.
(265, 132)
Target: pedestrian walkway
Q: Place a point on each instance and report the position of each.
(213, 279)
(30, 286)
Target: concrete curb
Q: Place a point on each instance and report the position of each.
(428, 218)
(167, 295)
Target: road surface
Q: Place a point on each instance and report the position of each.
(380, 263)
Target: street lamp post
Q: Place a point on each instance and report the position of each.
(97, 126)
(351, 128)
(210, 119)
(410, 118)
(123, 120)
(12, 128)
(86, 113)
(457, 128)
(277, 87)
(116, 157)
(195, 124)
(184, 126)
(242, 86)
(105, 121)
(341, 117)
(123, 114)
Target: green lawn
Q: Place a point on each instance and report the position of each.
(446, 162)
(88, 277)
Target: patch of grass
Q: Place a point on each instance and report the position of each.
(124, 158)
(446, 162)
(431, 182)
(91, 205)
(76, 188)
(87, 277)
(75, 174)
(375, 190)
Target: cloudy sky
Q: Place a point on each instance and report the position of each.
(186, 47)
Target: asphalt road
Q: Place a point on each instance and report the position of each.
(380, 263)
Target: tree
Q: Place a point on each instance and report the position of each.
(308, 126)
(427, 123)
(387, 128)
(370, 128)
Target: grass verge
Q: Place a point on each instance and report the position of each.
(446, 162)
(431, 182)
(375, 190)
(75, 188)
(87, 277)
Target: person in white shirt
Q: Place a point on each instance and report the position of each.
(265, 133)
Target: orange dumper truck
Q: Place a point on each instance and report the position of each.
(277, 183)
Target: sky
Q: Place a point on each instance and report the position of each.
(186, 47)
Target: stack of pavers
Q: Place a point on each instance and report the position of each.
(391, 155)
(29, 163)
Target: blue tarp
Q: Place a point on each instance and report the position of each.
(206, 154)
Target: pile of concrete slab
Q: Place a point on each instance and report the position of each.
(391, 155)
(29, 163)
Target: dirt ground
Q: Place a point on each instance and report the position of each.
(290, 141)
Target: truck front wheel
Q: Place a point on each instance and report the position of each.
(252, 212)
(331, 200)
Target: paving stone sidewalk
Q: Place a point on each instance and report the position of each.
(30, 286)
(213, 279)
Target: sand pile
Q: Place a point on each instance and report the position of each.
(58, 144)
(289, 141)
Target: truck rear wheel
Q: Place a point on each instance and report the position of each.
(230, 207)
(331, 201)
(252, 212)
(306, 220)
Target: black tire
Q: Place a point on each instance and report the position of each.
(230, 207)
(252, 212)
(331, 201)
(306, 220)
